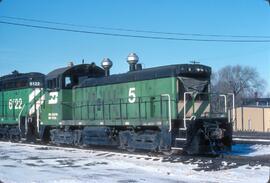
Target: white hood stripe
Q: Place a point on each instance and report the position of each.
(39, 102)
(34, 93)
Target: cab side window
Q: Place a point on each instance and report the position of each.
(68, 83)
(52, 84)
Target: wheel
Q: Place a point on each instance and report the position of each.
(131, 149)
(167, 153)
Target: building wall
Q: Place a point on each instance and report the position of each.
(238, 115)
(252, 119)
(267, 119)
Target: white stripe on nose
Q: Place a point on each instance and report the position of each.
(34, 93)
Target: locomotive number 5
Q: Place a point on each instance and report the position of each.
(131, 95)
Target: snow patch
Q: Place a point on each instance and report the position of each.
(37, 163)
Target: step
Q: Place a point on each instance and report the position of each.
(182, 129)
(176, 148)
(180, 139)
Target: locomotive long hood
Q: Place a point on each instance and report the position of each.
(179, 70)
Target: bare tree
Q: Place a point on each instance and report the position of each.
(242, 81)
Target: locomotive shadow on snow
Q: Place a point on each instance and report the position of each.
(208, 163)
(205, 164)
(242, 149)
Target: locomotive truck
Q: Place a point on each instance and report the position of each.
(154, 109)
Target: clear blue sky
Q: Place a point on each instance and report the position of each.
(28, 49)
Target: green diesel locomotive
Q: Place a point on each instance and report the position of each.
(155, 109)
(19, 103)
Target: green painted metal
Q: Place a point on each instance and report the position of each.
(201, 109)
(17, 103)
(190, 104)
(133, 103)
(130, 104)
(57, 107)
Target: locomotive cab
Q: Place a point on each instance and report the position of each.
(71, 76)
(59, 105)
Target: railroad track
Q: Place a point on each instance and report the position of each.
(251, 138)
(206, 163)
(244, 140)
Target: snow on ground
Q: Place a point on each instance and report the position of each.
(37, 163)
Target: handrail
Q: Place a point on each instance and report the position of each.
(185, 124)
(225, 102)
(19, 116)
(233, 98)
(169, 108)
(38, 118)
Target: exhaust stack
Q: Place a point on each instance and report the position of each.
(132, 60)
(70, 64)
(107, 64)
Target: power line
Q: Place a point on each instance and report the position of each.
(134, 36)
(135, 30)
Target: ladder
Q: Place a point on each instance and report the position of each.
(181, 139)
